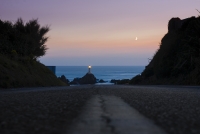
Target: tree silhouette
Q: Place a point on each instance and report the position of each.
(27, 39)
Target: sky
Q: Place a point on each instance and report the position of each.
(100, 32)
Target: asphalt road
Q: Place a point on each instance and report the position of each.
(171, 109)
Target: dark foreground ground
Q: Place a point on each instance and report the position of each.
(53, 110)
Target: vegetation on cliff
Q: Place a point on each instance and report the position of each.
(177, 61)
(25, 40)
(21, 44)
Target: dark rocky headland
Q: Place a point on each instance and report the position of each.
(177, 61)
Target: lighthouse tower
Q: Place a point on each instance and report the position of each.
(89, 69)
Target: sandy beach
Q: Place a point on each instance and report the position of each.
(174, 109)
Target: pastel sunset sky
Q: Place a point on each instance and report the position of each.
(100, 32)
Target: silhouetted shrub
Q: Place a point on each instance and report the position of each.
(27, 39)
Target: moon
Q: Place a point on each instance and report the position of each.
(136, 38)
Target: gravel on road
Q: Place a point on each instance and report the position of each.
(176, 110)
(45, 111)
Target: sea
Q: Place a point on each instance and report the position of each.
(106, 73)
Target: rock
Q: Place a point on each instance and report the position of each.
(88, 78)
(177, 60)
(114, 81)
(64, 79)
(76, 81)
(177, 23)
(101, 81)
(123, 81)
(174, 24)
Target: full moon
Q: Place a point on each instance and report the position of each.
(136, 38)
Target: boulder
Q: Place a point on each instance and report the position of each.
(176, 23)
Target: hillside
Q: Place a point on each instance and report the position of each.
(21, 44)
(25, 73)
(177, 61)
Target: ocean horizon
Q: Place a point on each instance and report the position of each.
(106, 73)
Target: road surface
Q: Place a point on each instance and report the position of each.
(107, 109)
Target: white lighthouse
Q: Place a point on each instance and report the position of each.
(89, 69)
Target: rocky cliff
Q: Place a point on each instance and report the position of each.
(177, 61)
